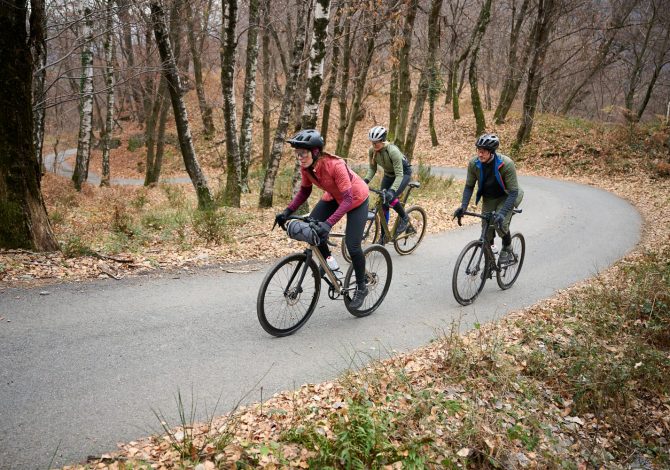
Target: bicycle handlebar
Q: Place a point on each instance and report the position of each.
(487, 217)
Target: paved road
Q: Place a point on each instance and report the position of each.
(82, 367)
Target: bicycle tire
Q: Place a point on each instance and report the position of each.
(416, 229)
(470, 273)
(378, 272)
(275, 310)
(370, 235)
(507, 275)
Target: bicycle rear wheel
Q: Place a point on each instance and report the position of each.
(284, 304)
(470, 273)
(370, 235)
(507, 273)
(378, 275)
(407, 242)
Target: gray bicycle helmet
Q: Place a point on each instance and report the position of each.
(377, 134)
(488, 142)
(307, 139)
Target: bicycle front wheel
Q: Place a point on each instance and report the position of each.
(285, 303)
(407, 241)
(378, 274)
(370, 235)
(470, 273)
(508, 272)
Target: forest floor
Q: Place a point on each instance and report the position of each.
(580, 380)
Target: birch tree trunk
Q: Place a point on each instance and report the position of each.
(515, 67)
(23, 217)
(249, 94)
(181, 116)
(195, 42)
(404, 77)
(547, 11)
(267, 191)
(233, 189)
(38, 42)
(317, 55)
(426, 77)
(86, 103)
(109, 83)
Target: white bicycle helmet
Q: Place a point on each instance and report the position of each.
(377, 134)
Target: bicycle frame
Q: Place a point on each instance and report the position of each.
(486, 251)
(378, 210)
(313, 252)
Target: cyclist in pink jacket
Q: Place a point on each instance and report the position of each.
(344, 193)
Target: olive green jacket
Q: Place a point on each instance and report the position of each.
(390, 159)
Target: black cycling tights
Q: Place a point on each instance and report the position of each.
(356, 219)
(387, 181)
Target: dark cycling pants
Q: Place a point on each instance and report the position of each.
(388, 180)
(356, 219)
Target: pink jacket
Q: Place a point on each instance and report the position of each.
(339, 182)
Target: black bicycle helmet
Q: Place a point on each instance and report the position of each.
(488, 142)
(307, 139)
(377, 134)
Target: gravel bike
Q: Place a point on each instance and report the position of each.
(290, 291)
(477, 262)
(377, 230)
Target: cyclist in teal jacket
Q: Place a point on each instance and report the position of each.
(497, 186)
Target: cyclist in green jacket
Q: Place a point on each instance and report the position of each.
(497, 186)
(397, 172)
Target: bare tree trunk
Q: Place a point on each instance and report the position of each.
(38, 42)
(404, 77)
(660, 62)
(359, 87)
(426, 77)
(126, 21)
(482, 24)
(546, 16)
(514, 74)
(344, 86)
(249, 93)
(267, 85)
(180, 114)
(638, 66)
(619, 15)
(195, 41)
(317, 55)
(332, 79)
(233, 190)
(109, 83)
(23, 217)
(436, 86)
(86, 103)
(267, 191)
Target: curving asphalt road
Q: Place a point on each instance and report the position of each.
(82, 367)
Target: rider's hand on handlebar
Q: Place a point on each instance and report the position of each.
(322, 229)
(499, 220)
(280, 218)
(458, 213)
